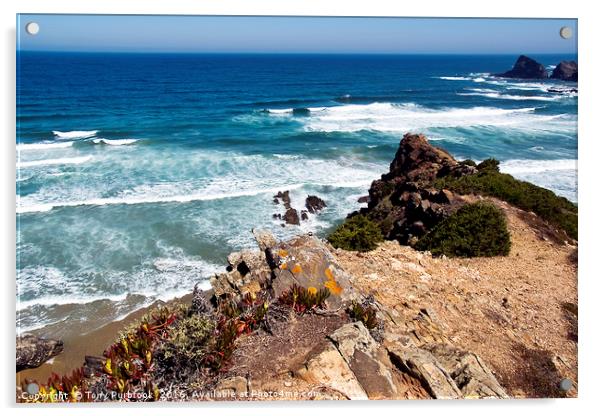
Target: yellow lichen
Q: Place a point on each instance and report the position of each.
(282, 252)
(312, 290)
(334, 287)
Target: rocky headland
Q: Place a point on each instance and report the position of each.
(412, 297)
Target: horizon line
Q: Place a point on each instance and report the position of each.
(291, 53)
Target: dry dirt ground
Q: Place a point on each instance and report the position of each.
(519, 312)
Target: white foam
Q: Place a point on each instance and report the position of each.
(402, 118)
(62, 161)
(115, 142)
(560, 175)
(494, 94)
(43, 146)
(75, 134)
(518, 166)
(455, 78)
(287, 111)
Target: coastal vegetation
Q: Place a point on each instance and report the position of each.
(475, 230)
(488, 181)
(358, 233)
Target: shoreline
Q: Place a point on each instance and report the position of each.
(78, 346)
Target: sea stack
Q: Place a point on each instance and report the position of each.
(526, 68)
(566, 71)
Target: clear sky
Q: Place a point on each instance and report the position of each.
(106, 33)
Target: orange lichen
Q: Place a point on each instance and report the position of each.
(283, 266)
(334, 287)
(329, 274)
(282, 253)
(297, 269)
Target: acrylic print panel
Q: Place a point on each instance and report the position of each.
(298, 208)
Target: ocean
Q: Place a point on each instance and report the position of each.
(138, 173)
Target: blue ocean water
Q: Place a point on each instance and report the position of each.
(138, 173)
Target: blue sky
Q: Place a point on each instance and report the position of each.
(118, 33)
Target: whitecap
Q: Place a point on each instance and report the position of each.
(61, 161)
(455, 78)
(114, 142)
(43, 145)
(75, 134)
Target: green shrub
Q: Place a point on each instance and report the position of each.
(469, 162)
(475, 230)
(558, 211)
(357, 233)
(489, 165)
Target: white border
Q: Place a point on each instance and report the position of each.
(589, 193)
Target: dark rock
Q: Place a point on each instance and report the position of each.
(304, 216)
(526, 68)
(303, 112)
(558, 90)
(34, 351)
(291, 216)
(566, 71)
(314, 204)
(363, 199)
(404, 202)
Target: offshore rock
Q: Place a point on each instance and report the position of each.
(526, 68)
(566, 71)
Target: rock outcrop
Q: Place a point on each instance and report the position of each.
(314, 204)
(291, 216)
(526, 68)
(34, 351)
(566, 71)
(397, 359)
(404, 201)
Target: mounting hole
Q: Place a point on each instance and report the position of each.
(566, 32)
(32, 28)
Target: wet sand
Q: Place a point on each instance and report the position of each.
(76, 347)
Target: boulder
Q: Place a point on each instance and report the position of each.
(566, 71)
(367, 359)
(307, 262)
(34, 351)
(291, 216)
(424, 366)
(314, 204)
(328, 368)
(526, 68)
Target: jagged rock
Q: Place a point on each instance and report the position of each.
(526, 68)
(404, 202)
(264, 239)
(247, 272)
(424, 366)
(314, 204)
(566, 71)
(368, 360)
(328, 368)
(363, 199)
(469, 372)
(306, 261)
(291, 216)
(34, 351)
(304, 216)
